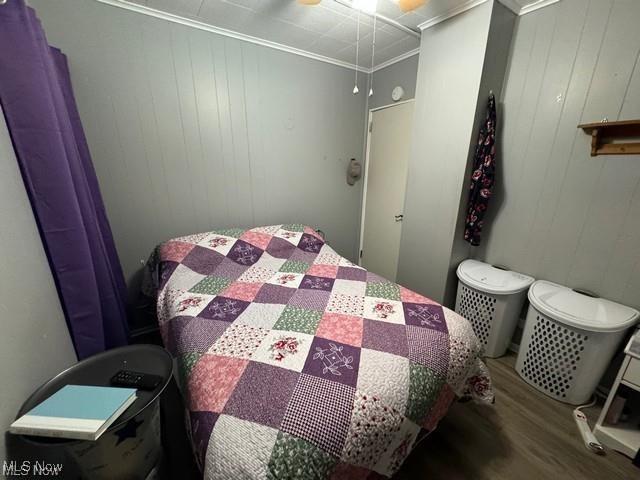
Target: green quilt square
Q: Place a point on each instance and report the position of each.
(298, 320)
(294, 458)
(424, 388)
(294, 266)
(230, 232)
(186, 363)
(293, 227)
(387, 290)
(210, 285)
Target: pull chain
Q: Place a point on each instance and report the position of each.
(355, 86)
(373, 54)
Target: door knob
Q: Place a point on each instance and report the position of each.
(399, 218)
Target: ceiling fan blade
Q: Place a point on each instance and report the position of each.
(408, 5)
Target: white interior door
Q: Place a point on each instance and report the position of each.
(385, 183)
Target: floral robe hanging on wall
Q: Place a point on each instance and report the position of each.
(483, 175)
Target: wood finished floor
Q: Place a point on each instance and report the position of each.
(526, 435)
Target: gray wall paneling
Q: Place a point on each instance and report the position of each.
(191, 131)
(403, 73)
(563, 215)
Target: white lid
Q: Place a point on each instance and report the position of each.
(490, 279)
(579, 310)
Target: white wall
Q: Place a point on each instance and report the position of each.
(403, 73)
(34, 343)
(447, 107)
(191, 131)
(560, 214)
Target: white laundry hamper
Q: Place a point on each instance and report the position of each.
(491, 299)
(569, 339)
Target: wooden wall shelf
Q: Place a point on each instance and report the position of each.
(610, 131)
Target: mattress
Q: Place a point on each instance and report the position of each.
(296, 363)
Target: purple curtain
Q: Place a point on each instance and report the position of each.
(52, 152)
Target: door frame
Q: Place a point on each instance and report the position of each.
(365, 177)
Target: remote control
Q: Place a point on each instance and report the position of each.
(142, 381)
(588, 438)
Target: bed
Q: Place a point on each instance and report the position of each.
(296, 363)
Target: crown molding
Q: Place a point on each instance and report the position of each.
(152, 12)
(468, 5)
(397, 59)
(510, 4)
(532, 7)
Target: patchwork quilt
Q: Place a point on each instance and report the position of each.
(296, 363)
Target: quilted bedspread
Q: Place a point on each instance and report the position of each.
(296, 363)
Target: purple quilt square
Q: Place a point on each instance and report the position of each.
(280, 248)
(224, 309)
(333, 361)
(300, 256)
(320, 412)
(429, 347)
(309, 243)
(166, 270)
(375, 278)
(310, 299)
(262, 394)
(274, 294)
(200, 334)
(201, 427)
(244, 253)
(203, 260)
(425, 315)
(385, 337)
(352, 273)
(230, 269)
(311, 282)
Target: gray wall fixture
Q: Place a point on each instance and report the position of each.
(192, 131)
(455, 74)
(35, 342)
(562, 215)
(403, 73)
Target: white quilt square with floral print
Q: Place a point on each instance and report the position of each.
(256, 274)
(291, 237)
(375, 373)
(220, 243)
(327, 256)
(347, 263)
(384, 310)
(346, 304)
(239, 449)
(286, 279)
(239, 341)
(400, 447)
(263, 315)
(285, 349)
(349, 287)
(191, 304)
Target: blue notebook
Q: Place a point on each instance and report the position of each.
(76, 411)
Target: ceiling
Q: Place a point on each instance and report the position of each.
(328, 29)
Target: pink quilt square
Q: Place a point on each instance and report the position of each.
(341, 328)
(175, 251)
(258, 239)
(328, 271)
(407, 295)
(212, 381)
(311, 231)
(242, 291)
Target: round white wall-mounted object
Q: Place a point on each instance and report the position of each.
(397, 93)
